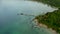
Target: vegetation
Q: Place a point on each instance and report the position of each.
(51, 19)
(53, 3)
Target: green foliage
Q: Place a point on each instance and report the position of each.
(51, 19)
(55, 3)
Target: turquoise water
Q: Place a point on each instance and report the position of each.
(11, 23)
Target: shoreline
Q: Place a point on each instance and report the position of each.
(51, 20)
(43, 25)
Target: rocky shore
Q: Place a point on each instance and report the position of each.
(50, 20)
(44, 26)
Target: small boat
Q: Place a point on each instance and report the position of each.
(20, 14)
(24, 14)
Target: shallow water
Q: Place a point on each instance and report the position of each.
(11, 23)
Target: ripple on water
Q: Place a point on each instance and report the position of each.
(11, 23)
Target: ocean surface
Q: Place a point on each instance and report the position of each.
(11, 23)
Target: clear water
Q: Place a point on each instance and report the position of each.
(11, 23)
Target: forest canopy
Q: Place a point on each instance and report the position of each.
(51, 19)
